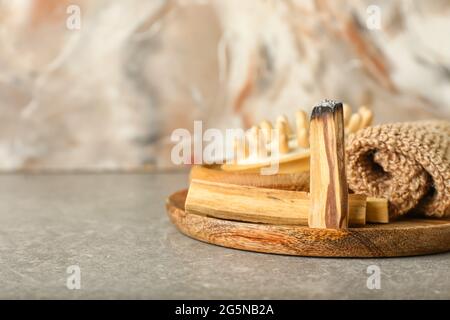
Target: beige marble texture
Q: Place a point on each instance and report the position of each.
(108, 95)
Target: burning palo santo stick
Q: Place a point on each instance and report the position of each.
(328, 180)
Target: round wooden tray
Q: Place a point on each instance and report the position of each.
(401, 238)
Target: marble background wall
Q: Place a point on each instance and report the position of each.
(107, 95)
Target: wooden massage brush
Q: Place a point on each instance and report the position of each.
(293, 144)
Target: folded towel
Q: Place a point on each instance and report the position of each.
(407, 163)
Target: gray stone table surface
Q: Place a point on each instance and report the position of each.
(115, 228)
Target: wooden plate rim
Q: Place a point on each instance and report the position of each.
(402, 238)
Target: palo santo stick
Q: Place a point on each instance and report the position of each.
(302, 124)
(377, 210)
(347, 114)
(328, 179)
(284, 119)
(366, 117)
(282, 136)
(266, 129)
(253, 204)
(291, 181)
(354, 123)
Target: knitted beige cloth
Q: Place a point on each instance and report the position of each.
(407, 163)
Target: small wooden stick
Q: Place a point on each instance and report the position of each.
(328, 180)
(302, 125)
(283, 140)
(377, 210)
(284, 119)
(266, 128)
(263, 205)
(208, 191)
